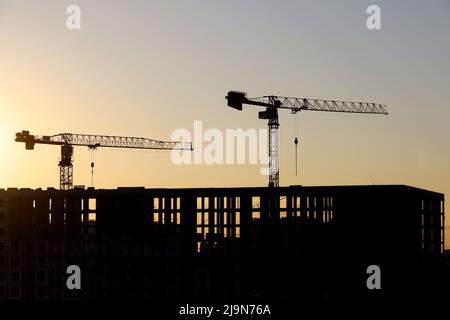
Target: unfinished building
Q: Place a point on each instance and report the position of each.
(216, 243)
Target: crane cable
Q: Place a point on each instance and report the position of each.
(92, 166)
(296, 142)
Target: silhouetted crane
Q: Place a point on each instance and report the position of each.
(68, 140)
(272, 103)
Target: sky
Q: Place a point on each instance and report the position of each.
(147, 68)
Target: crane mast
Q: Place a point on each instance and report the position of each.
(68, 140)
(237, 99)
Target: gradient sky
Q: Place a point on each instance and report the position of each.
(145, 68)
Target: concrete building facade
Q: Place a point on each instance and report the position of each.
(212, 244)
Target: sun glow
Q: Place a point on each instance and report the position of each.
(6, 138)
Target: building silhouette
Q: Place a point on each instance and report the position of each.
(216, 244)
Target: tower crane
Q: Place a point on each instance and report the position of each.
(68, 140)
(237, 99)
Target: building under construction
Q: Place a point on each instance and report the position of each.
(212, 244)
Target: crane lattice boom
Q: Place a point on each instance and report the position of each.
(299, 104)
(102, 141)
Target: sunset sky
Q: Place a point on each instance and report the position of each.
(146, 68)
